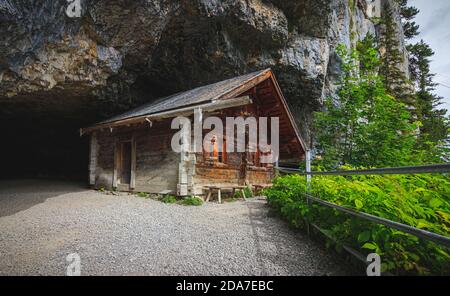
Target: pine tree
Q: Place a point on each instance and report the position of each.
(435, 125)
(408, 13)
(395, 79)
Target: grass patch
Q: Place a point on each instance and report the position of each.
(192, 201)
(168, 199)
(143, 195)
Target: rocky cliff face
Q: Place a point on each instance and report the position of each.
(120, 53)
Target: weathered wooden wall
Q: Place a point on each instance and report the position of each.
(156, 163)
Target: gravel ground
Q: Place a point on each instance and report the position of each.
(41, 222)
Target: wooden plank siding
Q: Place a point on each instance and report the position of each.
(154, 166)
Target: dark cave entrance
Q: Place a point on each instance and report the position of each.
(32, 149)
(40, 138)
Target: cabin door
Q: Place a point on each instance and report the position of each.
(125, 163)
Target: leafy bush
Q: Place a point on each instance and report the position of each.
(421, 201)
(248, 192)
(143, 195)
(192, 201)
(169, 199)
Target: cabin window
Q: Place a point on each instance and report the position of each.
(213, 154)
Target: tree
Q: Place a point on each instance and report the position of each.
(366, 126)
(408, 13)
(395, 80)
(435, 124)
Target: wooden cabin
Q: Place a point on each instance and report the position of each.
(132, 151)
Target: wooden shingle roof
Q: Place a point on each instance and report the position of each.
(199, 95)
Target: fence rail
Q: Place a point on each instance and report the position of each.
(437, 238)
(429, 169)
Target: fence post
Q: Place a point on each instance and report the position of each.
(308, 170)
(308, 184)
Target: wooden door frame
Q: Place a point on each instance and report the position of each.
(118, 162)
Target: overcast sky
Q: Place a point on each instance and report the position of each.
(434, 21)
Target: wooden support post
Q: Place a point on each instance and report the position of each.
(133, 164)
(243, 194)
(209, 195)
(219, 195)
(93, 159)
(308, 184)
(116, 165)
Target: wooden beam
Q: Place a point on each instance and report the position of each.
(247, 85)
(209, 107)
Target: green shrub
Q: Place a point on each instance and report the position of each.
(169, 199)
(248, 192)
(192, 201)
(421, 201)
(143, 195)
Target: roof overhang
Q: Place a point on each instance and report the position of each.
(186, 111)
(288, 112)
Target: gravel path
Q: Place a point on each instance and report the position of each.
(41, 222)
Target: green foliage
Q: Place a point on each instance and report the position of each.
(169, 199)
(192, 201)
(392, 57)
(370, 124)
(435, 124)
(408, 13)
(435, 128)
(143, 194)
(248, 192)
(421, 201)
(366, 127)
